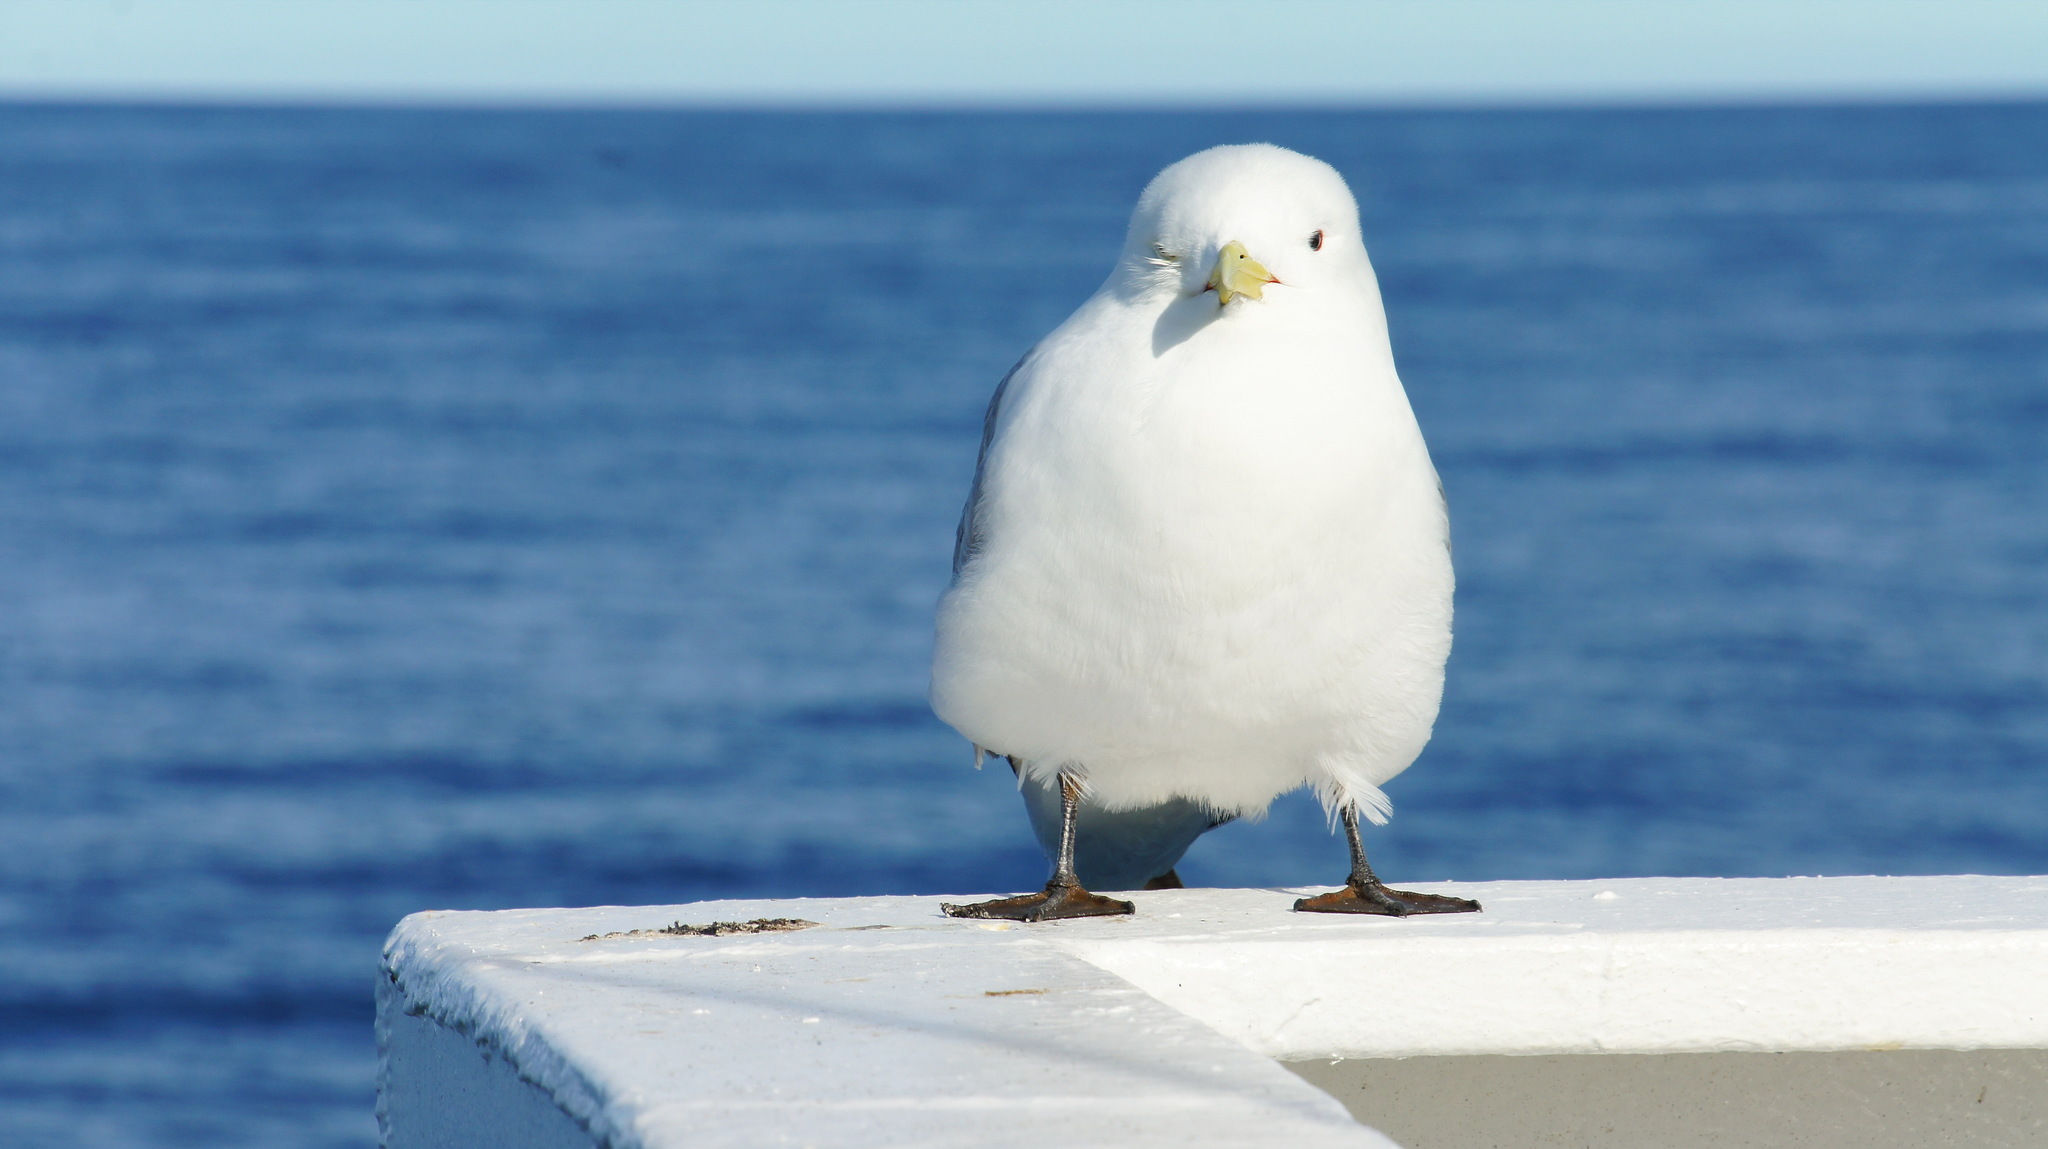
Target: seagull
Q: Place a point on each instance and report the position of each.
(1205, 559)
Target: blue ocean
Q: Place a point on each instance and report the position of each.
(425, 509)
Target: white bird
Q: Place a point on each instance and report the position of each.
(1206, 559)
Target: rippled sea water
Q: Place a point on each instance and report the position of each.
(406, 509)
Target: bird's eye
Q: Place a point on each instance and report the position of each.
(1315, 242)
(1164, 254)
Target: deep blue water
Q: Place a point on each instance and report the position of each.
(463, 509)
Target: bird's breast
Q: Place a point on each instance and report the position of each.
(1226, 469)
(1238, 545)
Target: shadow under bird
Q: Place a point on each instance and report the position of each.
(1206, 559)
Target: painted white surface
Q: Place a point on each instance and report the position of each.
(891, 1026)
(896, 1026)
(1666, 965)
(438, 1089)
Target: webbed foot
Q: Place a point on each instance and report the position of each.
(1057, 900)
(1375, 898)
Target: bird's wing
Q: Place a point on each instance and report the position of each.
(1443, 501)
(967, 539)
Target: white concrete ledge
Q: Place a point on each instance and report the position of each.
(891, 1025)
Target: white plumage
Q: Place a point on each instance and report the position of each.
(1207, 555)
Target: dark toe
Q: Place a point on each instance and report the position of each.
(1434, 903)
(1378, 899)
(1050, 904)
(1170, 880)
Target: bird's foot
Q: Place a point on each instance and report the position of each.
(1374, 898)
(1057, 900)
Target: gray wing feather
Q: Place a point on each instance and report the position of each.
(969, 537)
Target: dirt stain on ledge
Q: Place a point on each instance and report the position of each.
(709, 930)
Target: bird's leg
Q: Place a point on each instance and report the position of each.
(1063, 896)
(1366, 894)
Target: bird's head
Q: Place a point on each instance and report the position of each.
(1233, 221)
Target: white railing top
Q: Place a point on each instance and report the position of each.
(1160, 1028)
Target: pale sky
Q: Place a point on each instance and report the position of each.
(1031, 52)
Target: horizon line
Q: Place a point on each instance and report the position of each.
(1095, 104)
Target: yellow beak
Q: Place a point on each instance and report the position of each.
(1237, 273)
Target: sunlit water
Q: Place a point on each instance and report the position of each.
(405, 510)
